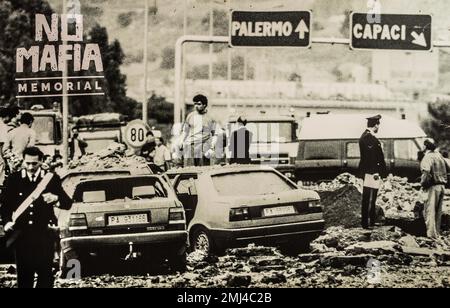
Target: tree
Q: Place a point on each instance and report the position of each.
(17, 22)
(115, 99)
(160, 109)
(438, 126)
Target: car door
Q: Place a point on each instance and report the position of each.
(186, 190)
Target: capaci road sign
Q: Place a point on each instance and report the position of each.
(394, 31)
(270, 29)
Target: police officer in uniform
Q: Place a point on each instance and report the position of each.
(34, 243)
(372, 166)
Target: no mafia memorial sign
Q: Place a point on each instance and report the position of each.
(270, 29)
(395, 32)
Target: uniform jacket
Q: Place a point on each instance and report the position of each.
(372, 156)
(38, 217)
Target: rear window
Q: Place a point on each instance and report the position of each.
(70, 182)
(322, 150)
(251, 184)
(119, 189)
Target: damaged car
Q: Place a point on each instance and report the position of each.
(236, 205)
(122, 217)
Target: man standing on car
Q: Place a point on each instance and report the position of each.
(199, 135)
(434, 178)
(372, 168)
(34, 237)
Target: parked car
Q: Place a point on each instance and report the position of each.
(122, 216)
(327, 151)
(236, 205)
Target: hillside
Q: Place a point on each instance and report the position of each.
(124, 20)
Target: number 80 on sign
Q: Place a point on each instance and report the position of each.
(136, 134)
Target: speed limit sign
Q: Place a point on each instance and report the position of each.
(136, 134)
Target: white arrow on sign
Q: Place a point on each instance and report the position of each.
(302, 29)
(419, 39)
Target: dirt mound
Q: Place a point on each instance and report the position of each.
(342, 207)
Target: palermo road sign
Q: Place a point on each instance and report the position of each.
(395, 31)
(270, 29)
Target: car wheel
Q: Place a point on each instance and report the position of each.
(202, 242)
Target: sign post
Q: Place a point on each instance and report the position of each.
(270, 29)
(394, 32)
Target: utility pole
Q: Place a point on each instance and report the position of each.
(185, 21)
(65, 106)
(145, 98)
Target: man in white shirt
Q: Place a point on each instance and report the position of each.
(21, 137)
(199, 135)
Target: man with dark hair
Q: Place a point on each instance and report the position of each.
(199, 134)
(240, 142)
(148, 150)
(372, 168)
(21, 137)
(434, 178)
(34, 240)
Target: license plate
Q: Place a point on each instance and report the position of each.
(124, 220)
(279, 211)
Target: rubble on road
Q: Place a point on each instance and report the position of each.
(116, 156)
(344, 262)
(382, 242)
(399, 203)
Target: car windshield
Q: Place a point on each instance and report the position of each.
(251, 184)
(44, 126)
(118, 189)
(269, 132)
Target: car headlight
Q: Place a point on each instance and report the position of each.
(315, 204)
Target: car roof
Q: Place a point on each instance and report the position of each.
(77, 172)
(336, 127)
(215, 170)
(121, 177)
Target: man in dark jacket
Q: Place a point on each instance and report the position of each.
(35, 239)
(372, 168)
(240, 141)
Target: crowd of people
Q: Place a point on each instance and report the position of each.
(203, 142)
